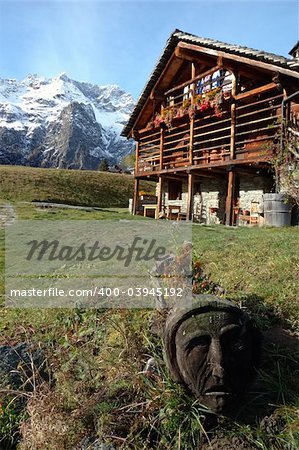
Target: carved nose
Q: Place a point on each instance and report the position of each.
(216, 359)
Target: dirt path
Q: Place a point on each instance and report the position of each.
(7, 215)
(65, 206)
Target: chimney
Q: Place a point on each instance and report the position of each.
(294, 52)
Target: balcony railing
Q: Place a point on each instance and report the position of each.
(204, 123)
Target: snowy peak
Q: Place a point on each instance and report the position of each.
(30, 109)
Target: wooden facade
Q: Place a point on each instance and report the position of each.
(212, 115)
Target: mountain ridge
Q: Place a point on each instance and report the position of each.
(61, 122)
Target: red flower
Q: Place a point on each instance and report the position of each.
(204, 106)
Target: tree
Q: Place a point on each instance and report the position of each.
(286, 164)
(103, 166)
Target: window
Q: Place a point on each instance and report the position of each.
(174, 190)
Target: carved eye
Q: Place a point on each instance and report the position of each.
(232, 340)
(200, 342)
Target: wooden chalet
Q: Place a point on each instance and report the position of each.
(207, 126)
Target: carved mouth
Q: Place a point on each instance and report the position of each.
(217, 390)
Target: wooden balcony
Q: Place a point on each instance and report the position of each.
(208, 124)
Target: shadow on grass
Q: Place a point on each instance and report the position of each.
(276, 385)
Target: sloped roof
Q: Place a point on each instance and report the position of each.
(180, 36)
(295, 47)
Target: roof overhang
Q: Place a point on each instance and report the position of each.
(242, 55)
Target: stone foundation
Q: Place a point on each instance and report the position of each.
(252, 190)
(209, 197)
(209, 201)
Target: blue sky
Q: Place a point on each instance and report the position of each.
(119, 41)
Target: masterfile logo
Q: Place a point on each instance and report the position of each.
(140, 250)
(98, 263)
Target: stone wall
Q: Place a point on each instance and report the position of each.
(252, 190)
(166, 201)
(209, 201)
(210, 196)
(182, 202)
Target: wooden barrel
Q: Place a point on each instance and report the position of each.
(277, 210)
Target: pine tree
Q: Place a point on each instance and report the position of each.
(103, 166)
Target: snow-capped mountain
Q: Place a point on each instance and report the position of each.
(60, 122)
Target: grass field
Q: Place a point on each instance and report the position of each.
(97, 357)
(74, 187)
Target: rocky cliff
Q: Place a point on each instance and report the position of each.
(60, 122)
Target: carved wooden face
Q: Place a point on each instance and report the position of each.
(214, 352)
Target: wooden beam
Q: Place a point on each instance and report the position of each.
(135, 134)
(198, 77)
(156, 95)
(220, 61)
(177, 177)
(190, 195)
(256, 91)
(252, 171)
(187, 55)
(153, 177)
(205, 174)
(251, 73)
(136, 157)
(191, 139)
(136, 195)
(160, 196)
(162, 132)
(230, 198)
(240, 59)
(179, 53)
(171, 68)
(193, 71)
(211, 166)
(233, 118)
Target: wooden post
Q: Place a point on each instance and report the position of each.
(189, 199)
(230, 198)
(137, 157)
(160, 196)
(193, 89)
(233, 118)
(193, 73)
(162, 132)
(191, 141)
(196, 78)
(161, 147)
(136, 195)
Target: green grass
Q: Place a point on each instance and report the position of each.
(96, 356)
(258, 266)
(27, 211)
(74, 187)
